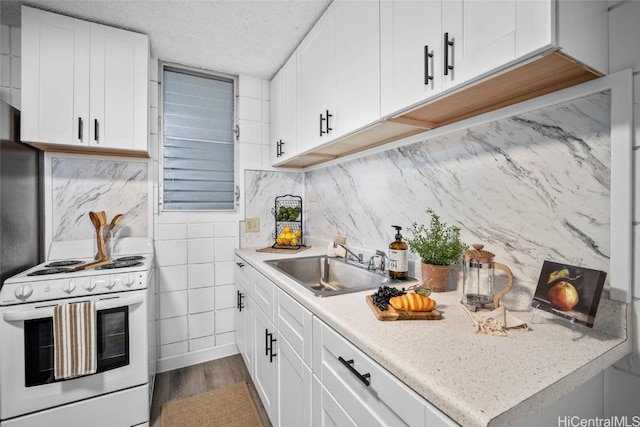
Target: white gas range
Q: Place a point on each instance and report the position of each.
(51, 280)
(117, 394)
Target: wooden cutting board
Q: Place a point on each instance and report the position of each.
(393, 314)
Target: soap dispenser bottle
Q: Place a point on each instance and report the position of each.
(398, 257)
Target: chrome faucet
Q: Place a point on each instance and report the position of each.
(353, 257)
(383, 260)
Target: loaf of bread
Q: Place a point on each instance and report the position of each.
(412, 302)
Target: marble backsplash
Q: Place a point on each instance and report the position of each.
(532, 187)
(79, 186)
(261, 189)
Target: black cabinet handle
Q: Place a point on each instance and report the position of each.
(281, 150)
(329, 128)
(322, 119)
(240, 301)
(271, 353)
(80, 128)
(278, 148)
(96, 130)
(240, 264)
(447, 44)
(427, 57)
(349, 364)
(268, 345)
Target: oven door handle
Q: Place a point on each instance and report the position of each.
(47, 311)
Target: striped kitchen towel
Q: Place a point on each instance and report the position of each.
(74, 340)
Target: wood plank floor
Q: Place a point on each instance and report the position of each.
(197, 379)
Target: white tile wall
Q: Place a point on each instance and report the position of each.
(226, 338)
(225, 297)
(171, 252)
(194, 253)
(172, 278)
(173, 304)
(5, 40)
(224, 249)
(224, 273)
(10, 65)
(173, 330)
(201, 275)
(200, 250)
(225, 320)
(202, 343)
(202, 324)
(202, 299)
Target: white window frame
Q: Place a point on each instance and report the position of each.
(162, 65)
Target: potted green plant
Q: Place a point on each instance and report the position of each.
(438, 247)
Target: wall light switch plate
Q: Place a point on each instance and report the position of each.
(252, 225)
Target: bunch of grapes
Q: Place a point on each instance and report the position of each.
(382, 296)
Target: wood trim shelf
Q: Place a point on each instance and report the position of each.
(544, 74)
(73, 149)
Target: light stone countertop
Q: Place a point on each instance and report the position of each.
(475, 379)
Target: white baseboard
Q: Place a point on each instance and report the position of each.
(195, 357)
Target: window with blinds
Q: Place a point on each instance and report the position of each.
(198, 141)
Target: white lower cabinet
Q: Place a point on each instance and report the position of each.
(265, 365)
(307, 374)
(326, 411)
(273, 334)
(294, 388)
(244, 317)
(367, 392)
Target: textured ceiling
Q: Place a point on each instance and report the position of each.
(250, 37)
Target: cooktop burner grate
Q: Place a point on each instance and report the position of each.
(46, 271)
(63, 263)
(120, 264)
(129, 258)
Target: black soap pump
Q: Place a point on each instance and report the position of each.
(398, 257)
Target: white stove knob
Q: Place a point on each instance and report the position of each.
(109, 284)
(69, 287)
(23, 292)
(129, 280)
(90, 285)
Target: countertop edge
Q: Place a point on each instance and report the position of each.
(532, 404)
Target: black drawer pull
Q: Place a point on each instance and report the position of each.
(322, 119)
(239, 301)
(268, 345)
(349, 364)
(427, 57)
(447, 44)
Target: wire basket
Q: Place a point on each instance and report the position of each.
(288, 218)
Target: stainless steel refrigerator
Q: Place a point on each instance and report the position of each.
(21, 207)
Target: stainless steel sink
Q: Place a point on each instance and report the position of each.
(325, 276)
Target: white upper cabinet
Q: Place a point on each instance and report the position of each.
(284, 112)
(316, 82)
(357, 45)
(84, 85)
(434, 45)
(411, 52)
(339, 73)
(55, 102)
(119, 86)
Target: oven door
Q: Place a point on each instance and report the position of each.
(26, 353)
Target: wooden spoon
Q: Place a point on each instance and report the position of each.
(114, 221)
(100, 218)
